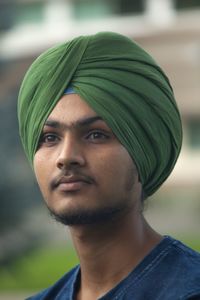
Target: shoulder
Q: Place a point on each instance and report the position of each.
(182, 270)
(65, 283)
(187, 258)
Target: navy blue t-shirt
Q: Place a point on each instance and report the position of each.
(171, 271)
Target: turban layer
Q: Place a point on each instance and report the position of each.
(122, 84)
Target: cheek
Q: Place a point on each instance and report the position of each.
(40, 169)
(115, 166)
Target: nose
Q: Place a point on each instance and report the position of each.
(70, 154)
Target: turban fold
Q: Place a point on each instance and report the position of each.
(122, 84)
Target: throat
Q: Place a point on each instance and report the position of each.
(109, 254)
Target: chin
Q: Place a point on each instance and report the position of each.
(86, 217)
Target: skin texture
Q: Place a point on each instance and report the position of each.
(90, 182)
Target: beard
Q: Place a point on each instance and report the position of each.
(100, 215)
(88, 217)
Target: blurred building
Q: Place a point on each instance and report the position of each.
(168, 29)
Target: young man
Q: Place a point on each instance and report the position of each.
(100, 125)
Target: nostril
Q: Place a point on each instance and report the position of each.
(64, 163)
(60, 165)
(70, 154)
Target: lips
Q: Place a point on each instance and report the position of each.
(72, 183)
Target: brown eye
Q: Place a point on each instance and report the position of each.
(97, 136)
(48, 139)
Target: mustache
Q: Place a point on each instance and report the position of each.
(77, 176)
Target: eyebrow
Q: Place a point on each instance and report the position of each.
(79, 123)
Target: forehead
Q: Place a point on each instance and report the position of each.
(70, 108)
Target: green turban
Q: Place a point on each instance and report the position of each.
(122, 84)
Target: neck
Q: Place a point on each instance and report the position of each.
(109, 252)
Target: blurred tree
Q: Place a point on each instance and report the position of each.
(185, 4)
(15, 183)
(7, 9)
(18, 190)
(127, 6)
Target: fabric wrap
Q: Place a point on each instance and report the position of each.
(121, 83)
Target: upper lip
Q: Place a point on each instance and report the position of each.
(72, 178)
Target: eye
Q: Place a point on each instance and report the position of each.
(48, 139)
(97, 136)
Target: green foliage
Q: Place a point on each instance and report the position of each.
(38, 270)
(191, 242)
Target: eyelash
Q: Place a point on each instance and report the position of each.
(98, 132)
(101, 136)
(46, 135)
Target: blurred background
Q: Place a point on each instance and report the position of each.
(34, 250)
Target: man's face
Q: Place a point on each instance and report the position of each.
(84, 172)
